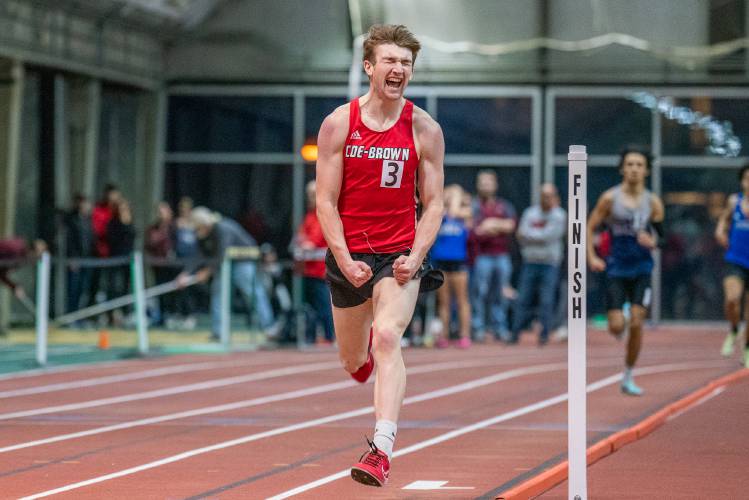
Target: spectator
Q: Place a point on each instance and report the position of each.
(494, 222)
(102, 278)
(160, 241)
(255, 224)
(101, 215)
(121, 240)
(449, 254)
(310, 247)
(186, 249)
(272, 280)
(186, 241)
(216, 234)
(79, 233)
(540, 234)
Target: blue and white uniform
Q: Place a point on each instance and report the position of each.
(738, 238)
(452, 240)
(630, 264)
(629, 259)
(450, 250)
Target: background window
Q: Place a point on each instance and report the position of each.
(604, 125)
(317, 108)
(315, 111)
(681, 139)
(230, 124)
(486, 125)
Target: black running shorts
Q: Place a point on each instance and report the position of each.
(344, 294)
(737, 271)
(634, 290)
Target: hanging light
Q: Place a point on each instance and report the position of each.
(309, 152)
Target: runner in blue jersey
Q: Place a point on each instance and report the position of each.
(732, 233)
(634, 217)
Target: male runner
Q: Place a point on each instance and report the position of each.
(373, 154)
(732, 233)
(630, 211)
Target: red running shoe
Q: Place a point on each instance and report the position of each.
(373, 468)
(362, 374)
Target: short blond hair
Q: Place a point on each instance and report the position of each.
(202, 216)
(397, 34)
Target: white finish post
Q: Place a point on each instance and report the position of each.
(577, 221)
(225, 301)
(141, 322)
(42, 307)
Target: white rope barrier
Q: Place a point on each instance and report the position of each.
(125, 300)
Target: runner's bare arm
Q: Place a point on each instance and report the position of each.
(431, 179)
(658, 212)
(724, 221)
(648, 238)
(329, 173)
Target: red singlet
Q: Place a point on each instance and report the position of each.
(377, 200)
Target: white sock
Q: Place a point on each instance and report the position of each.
(384, 436)
(627, 375)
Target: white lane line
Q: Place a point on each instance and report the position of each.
(236, 405)
(200, 386)
(119, 363)
(280, 372)
(495, 420)
(363, 411)
(53, 370)
(518, 372)
(59, 350)
(124, 377)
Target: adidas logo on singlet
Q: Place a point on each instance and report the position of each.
(356, 135)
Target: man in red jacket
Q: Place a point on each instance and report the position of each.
(101, 215)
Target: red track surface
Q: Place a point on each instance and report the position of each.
(170, 459)
(701, 453)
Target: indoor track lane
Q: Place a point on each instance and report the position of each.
(699, 454)
(190, 457)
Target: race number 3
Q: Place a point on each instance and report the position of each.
(392, 173)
